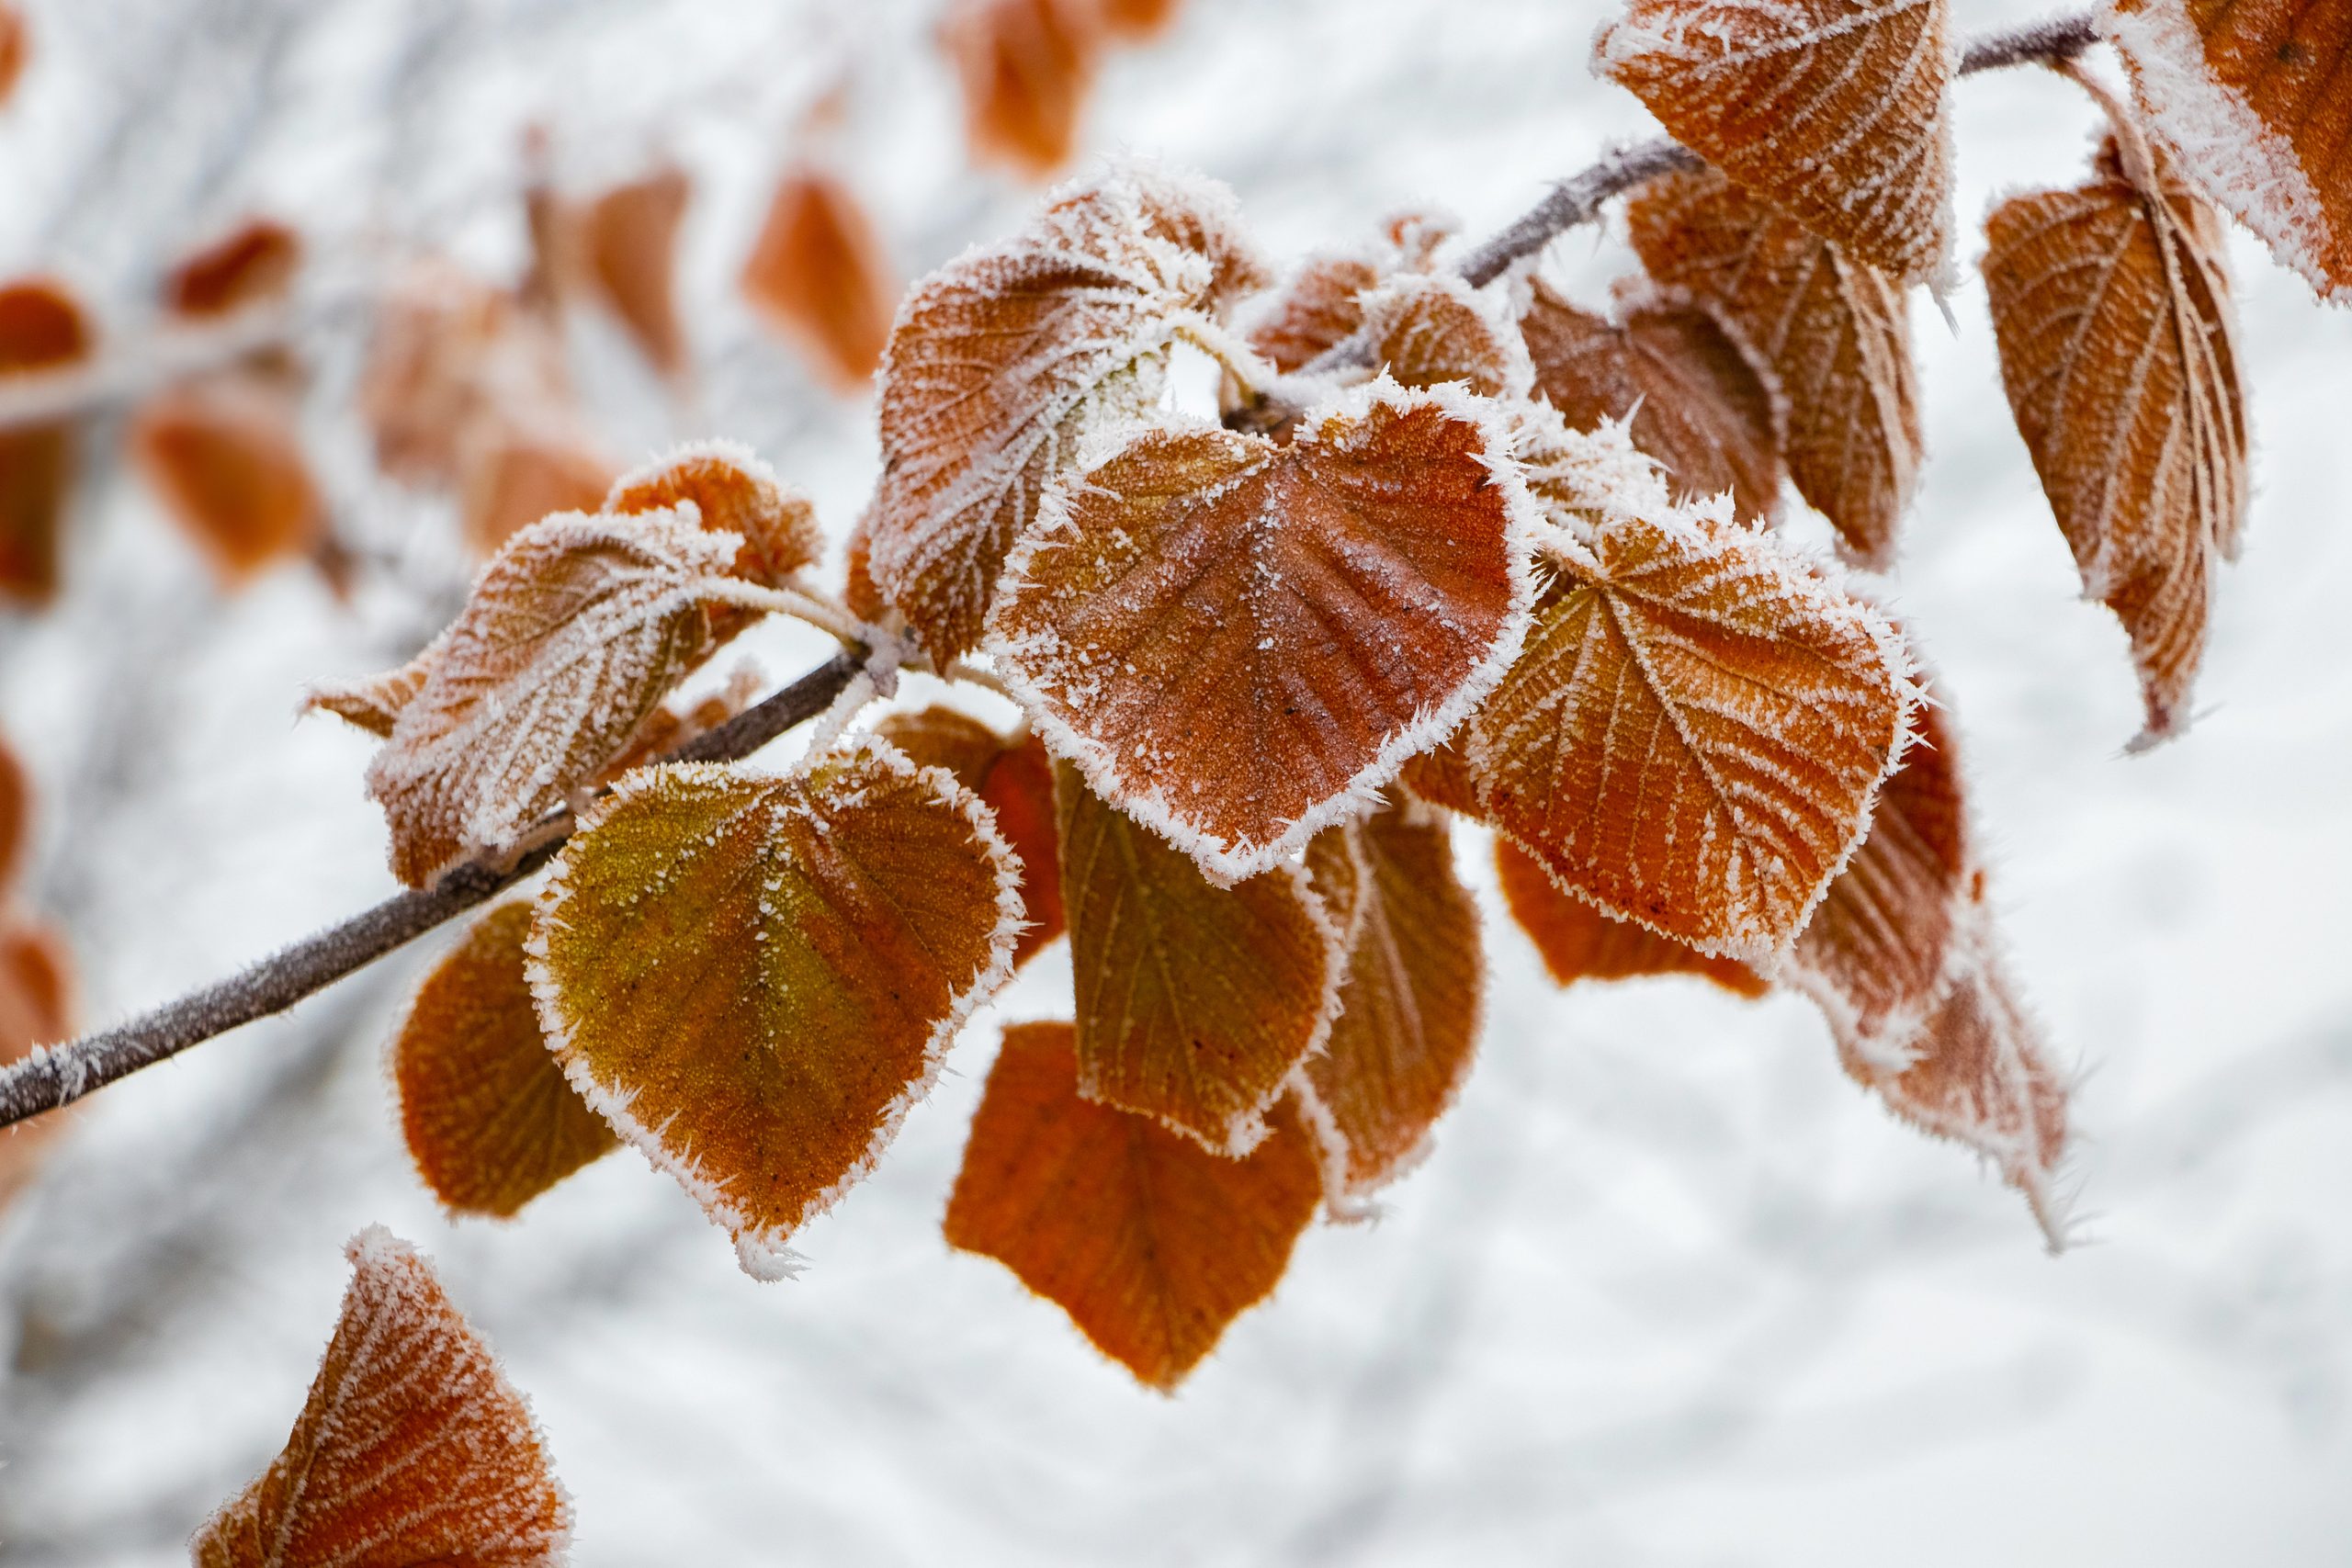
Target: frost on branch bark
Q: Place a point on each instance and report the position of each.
(1238, 641)
(2248, 96)
(1692, 399)
(1194, 1002)
(1005, 359)
(2111, 310)
(1151, 1244)
(1835, 332)
(412, 1448)
(1696, 731)
(1831, 110)
(754, 978)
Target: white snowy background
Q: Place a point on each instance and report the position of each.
(1669, 1290)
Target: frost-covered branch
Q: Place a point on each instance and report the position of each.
(127, 373)
(56, 1076)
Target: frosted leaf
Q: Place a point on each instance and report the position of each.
(1014, 779)
(1006, 359)
(1028, 67)
(1832, 110)
(1194, 1001)
(732, 492)
(1410, 1007)
(670, 727)
(2249, 99)
(1696, 731)
(1318, 308)
(630, 241)
(1428, 329)
(412, 1448)
(1835, 332)
(1150, 1243)
(570, 637)
(253, 263)
(373, 703)
(1578, 943)
(1581, 478)
(819, 272)
(1687, 392)
(1239, 641)
(2111, 311)
(753, 977)
(224, 452)
(42, 327)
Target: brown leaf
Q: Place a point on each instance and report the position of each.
(1005, 358)
(1693, 400)
(1316, 309)
(1440, 776)
(1429, 329)
(1151, 1244)
(1409, 1007)
(41, 329)
(252, 264)
(668, 728)
(630, 236)
(16, 48)
(1014, 778)
(36, 1008)
(15, 815)
(754, 978)
(525, 464)
(1194, 1002)
(820, 273)
(572, 634)
(373, 703)
(449, 356)
(1238, 641)
(1579, 942)
(2111, 310)
(225, 455)
(1135, 20)
(1831, 110)
(489, 1118)
(412, 1448)
(1696, 730)
(1028, 67)
(2249, 99)
(1835, 335)
(858, 591)
(732, 492)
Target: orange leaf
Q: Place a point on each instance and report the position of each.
(666, 727)
(41, 329)
(1151, 1244)
(36, 1008)
(1578, 943)
(1440, 776)
(572, 634)
(250, 265)
(2111, 310)
(1028, 67)
(1409, 1007)
(489, 1118)
(631, 236)
(373, 703)
(1317, 309)
(1003, 360)
(1014, 779)
(1696, 731)
(1831, 110)
(1693, 400)
(754, 978)
(858, 591)
(1194, 1002)
(450, 356)
(1835, 333)
(1136, 19)
(819, 271)
(14, 49)
(1238, 641)
(733, 492)
(523, 464)
(225, 455)
(15, 815)
(412, 1448)
(2250, 100)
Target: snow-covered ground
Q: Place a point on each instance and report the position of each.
(1669, 1289)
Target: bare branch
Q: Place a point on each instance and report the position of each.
(56, 1076)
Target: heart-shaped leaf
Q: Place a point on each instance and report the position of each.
(1014, 778)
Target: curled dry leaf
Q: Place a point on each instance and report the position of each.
(819, 271)
(36, 1008)
(2249, 99)
(252, 264)
(1409, 1007)
(1579, 942)
(2111, 311)
(41, 329)
(1835, 332)
(1696, 731)
(489, 1117)
(733, 492)
(1580, 479)
(1831, 110)
(629, 242)
(412, 1448)
(1014, 779)
(1692, 399)
(1028, 67)
(572, 634)
(1005, 359)
(754, 978)
(1239, 641)
(1194, 1001)
(525, 462)
(225, 455)
(1151, 1244)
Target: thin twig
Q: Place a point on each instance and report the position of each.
(57, 1076)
